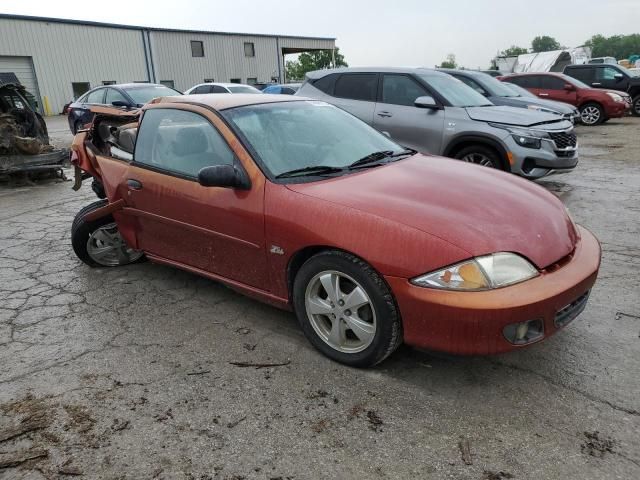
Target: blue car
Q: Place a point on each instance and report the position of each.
(284, 89)
(125, 95)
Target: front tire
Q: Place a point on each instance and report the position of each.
(591, 114)
(98, 243)
(480, 155)
(635, 106)
(346, 310)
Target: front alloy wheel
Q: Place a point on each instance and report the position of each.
(106, 247)
(591, 114)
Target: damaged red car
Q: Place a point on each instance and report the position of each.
(301, 205)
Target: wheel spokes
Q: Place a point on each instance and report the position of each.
(365, 331)
(318, 306)
(331, 284)
(338, 334)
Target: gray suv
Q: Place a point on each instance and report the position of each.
(435, 113)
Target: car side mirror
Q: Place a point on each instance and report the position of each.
(120, 103)
(426, 102)
(225, 176)
(568, 87)
(618, 76)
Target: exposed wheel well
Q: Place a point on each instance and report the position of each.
(591, 102)
(458, 146)
(297, 260)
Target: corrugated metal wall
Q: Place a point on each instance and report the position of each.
(64, 53)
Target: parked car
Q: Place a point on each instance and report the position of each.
(221, 88)
(493, 73)
(299, 204)
(125, 95)
(435, 113)
(611, 77)
(607, 60)
(595, 106)
(282, 89)
(499, 94)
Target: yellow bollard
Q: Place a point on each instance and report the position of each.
(47, 107)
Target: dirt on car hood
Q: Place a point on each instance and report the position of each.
(475, 208)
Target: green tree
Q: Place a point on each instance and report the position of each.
(450, 62)
(618, 46)
(310, 61)
(513, 51)
(544, 44)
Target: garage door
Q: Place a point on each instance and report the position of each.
(23, 69)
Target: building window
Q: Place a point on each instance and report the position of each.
(252, 80)
(167, 83)
(249, 49)
(209, 80)
(79, 88)
(197, 49)
(108, 82)
(236, 80)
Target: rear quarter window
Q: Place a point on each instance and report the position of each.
(357, 86)
(326, 84)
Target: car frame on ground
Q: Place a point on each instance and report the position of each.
(432, 112)
(609, 76)
(219, 87)
(596, 106)
(301, 205)
(123, 95)
(499, 94)
(282, 88)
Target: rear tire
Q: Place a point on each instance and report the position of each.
(480, 155)
(98, 243)
(591, 114)
(635, 106)
(358, 329)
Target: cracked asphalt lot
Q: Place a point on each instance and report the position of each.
(127, 373)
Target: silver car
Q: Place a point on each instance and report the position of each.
(435, 113)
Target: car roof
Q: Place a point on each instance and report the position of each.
(419, 70)
(528, 74)
(129, 86)
(224, 101)
(222, 84)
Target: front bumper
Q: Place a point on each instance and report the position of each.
(617, 109)
(537, 163)
(472, 323)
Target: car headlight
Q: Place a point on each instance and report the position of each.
(480, 273)
(615, 97)
(524, 137)
(538, 108)
(527, 142)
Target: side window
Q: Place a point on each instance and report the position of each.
(326, 84)
(516, 81)
(400, 90)
(96, 96)
(472, 83)
(218, 89)
(357, 86)
(114, 95)
(532, 81)
(606, 73)
(180, 142)
(584, 74)
(552, 83)
(287, 91)
(202, 89)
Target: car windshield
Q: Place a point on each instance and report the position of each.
(626, 71)
(142, 95)
(455, 92)
(518, 90)
(574, 81)
(497, 88)
(294, 135)
(243, 89)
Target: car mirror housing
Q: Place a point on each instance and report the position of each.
(120, 103)
(225, 176)
(618, 76)
(426, 102)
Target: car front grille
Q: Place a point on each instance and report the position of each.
(571, 311)
(564, 139)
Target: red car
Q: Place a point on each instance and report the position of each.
(299, 204)
(595, 104)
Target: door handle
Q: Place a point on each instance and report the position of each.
(134, 184)
(384, 114)
(543, 94)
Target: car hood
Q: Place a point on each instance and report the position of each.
(512, 116)
(475, 208)
(523, 102)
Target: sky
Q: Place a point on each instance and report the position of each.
(374, 32)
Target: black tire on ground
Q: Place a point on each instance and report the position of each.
(482, 153)
(635, 106)
(81, 230)
(591, 114)
(388, 333)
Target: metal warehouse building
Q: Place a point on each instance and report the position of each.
(58, 60)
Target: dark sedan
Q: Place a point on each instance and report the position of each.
(125, 95)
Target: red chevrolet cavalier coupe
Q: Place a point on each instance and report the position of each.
(301, 205)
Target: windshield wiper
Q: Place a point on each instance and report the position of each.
(310, 170)
(406, 151)
(371, 158)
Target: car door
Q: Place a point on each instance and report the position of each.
(213, 229)
(396, 114)
(554, 87)
(610, 77)
(356, 93)
(83, 113)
